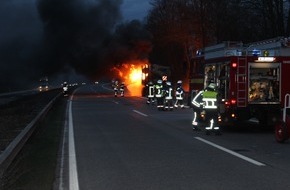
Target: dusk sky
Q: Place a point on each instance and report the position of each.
(135, 9)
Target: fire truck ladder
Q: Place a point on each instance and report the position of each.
(241, 82)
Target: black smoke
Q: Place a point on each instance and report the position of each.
(130, 41)
(58, 37)
(20, 38)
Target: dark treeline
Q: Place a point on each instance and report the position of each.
(62, 39)
(180, 25)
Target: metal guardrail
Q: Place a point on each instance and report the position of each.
(8, 155)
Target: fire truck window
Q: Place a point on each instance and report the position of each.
(209, 74)
(223, 81)
(223, 72)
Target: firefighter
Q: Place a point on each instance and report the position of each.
(159, 94)
(122, 89)
(150, 95)
(210, 107)
(197, 109)
(65, 89)
(168, 99)
(116, 86)
(179, 94)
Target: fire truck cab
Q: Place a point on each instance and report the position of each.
(252, 79)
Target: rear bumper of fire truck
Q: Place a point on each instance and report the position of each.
(263, 114)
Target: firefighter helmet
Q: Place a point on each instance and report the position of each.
(179, 82)
(168, 83)
(159, 82)
(212, 86)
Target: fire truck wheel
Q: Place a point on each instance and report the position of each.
(281, 132)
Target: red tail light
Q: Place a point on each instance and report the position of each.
(233, 101)
(234, 65)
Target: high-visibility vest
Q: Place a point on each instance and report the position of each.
(210, 100)
(158, 91)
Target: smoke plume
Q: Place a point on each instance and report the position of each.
(53, 37)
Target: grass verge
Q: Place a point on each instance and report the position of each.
(35, 166)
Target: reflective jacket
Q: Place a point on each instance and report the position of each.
(168, 93)
(158, 90)
(209, 99)
(150, 91)
(179, 93)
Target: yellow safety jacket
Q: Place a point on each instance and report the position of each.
(209, 99)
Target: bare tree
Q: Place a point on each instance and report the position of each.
(177, 25)
(170, 24)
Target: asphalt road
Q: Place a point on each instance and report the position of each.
(123, 144)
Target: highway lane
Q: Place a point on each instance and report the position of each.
(122, 143)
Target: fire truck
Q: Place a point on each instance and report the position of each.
(251, 78)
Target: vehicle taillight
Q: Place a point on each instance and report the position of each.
(233, 101)
(234, 65)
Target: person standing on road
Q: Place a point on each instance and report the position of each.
(116, 86)
(159, 94)
(150, 95)
(122, 89)
(197, 109)
(209, 99)
(168, 102)
(65, 89)
(179, 94)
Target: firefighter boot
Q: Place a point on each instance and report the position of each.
(211, 128)
(195, 123)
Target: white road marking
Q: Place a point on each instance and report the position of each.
(231, 152)
(140, 113)
(73, 173)
(61, 173)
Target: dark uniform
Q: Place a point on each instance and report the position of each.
(116, 86)
(168, 99)
(210, 106)
(206, 101)
(122, 89)
(179, 94)
(150, 94)
(159, 94)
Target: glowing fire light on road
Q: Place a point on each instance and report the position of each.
(131, 74)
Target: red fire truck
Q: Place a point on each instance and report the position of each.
(252, 79)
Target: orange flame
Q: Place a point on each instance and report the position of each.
(131, 74)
